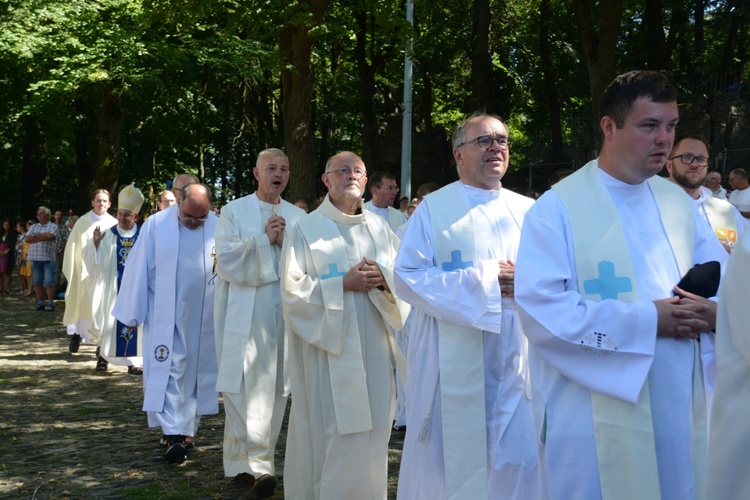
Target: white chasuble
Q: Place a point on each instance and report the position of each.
(102, 265)
(77, 298)
(595, 253)
(729, 436)
(171, 304)
(461, 349)
(340, 356)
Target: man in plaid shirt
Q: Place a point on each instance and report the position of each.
(42, 239)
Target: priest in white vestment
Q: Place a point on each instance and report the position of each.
(168, 285)
(77, 315)
(249, 325)
(616, 370)
(469, 416)
(338, 307)
(729, 435)
(384, 190)
(105, 258)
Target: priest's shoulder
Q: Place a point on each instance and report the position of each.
(515, 198)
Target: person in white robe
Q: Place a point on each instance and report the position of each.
(688, 166)
(249, 327)
(168, 286)
(105, 259)
(615, 364)
(729, 434)
(338, 306)
(469, 416)
(77, 315)
(402, 336)
(383, 189)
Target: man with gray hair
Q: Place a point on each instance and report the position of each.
(42, 238)
(168, 286)
(249, 325)
(470, 427)
(337, 272)
(740, 195)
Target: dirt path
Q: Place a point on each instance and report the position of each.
(67, 431)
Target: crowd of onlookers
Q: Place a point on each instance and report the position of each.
(14, 252)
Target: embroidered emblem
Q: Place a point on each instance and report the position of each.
(161, 353)
(456, 263)
(607, 284)
(598, 343)
(333, 272)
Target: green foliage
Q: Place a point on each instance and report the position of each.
(199, 89)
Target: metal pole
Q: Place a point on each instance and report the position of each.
(406, 130)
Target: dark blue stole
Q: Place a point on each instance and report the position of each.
(127, 337)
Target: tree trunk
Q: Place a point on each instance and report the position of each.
(297, 85)
(481, 66)
(599, 52)
(548, 70)
(655, 53)
(367, 91)
(84, 165)
(110, 130)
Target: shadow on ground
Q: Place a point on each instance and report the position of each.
(67, 431)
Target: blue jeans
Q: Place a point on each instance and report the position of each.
(44, 272)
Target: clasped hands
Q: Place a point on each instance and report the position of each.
(685, 316)
(275, 229)
(364, 276)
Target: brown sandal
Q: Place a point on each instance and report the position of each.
(135, 370)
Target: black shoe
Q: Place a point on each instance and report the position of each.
(75, 343)
(102, 364)
(264, 487)
(39, 307)
(176, 453)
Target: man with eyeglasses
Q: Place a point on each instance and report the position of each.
(249, 325)
(105, 260)
(470, 431)
(687, 166)
(713, 182)
(337, 269)
(616, 368)
(168, 286)
(383, 189)
(740, 195)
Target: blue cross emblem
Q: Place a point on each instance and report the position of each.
(607, 284)
(456, 263)
(333, 272)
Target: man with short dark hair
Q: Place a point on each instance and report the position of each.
(384, 190)
(740, 195)
(165, 200)
(687, 165)
(616, 372)
(168, 286)
(42, 238)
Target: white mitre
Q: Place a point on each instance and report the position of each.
(131, 199)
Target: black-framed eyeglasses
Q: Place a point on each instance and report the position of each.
(688, 159)
(485, 142)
